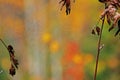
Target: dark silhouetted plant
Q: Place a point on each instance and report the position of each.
(112, 15)
(14, 61)
(66, 3)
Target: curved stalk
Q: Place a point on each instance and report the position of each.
(98, 49)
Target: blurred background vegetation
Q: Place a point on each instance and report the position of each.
(52, 46)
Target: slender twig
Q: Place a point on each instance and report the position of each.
(98, 51)
(3, 43)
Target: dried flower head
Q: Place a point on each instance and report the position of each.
(11, 50)
(112, 14)
(98, 30)
(66, 3)
(14, 62)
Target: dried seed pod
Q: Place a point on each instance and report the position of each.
(67, 4)
(108, 19)
(118, 28)
(111, 27)
(11, 50)
(12, 70)
(98, 30)
(93, 32)
(14, 62)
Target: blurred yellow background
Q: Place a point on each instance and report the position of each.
(51, 45)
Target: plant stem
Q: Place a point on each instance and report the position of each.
(3, 43)
(98, 49)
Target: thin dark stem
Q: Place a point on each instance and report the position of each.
(98, 51)
(3, 43)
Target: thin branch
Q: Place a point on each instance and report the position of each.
(98, 49)
(3, 43)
